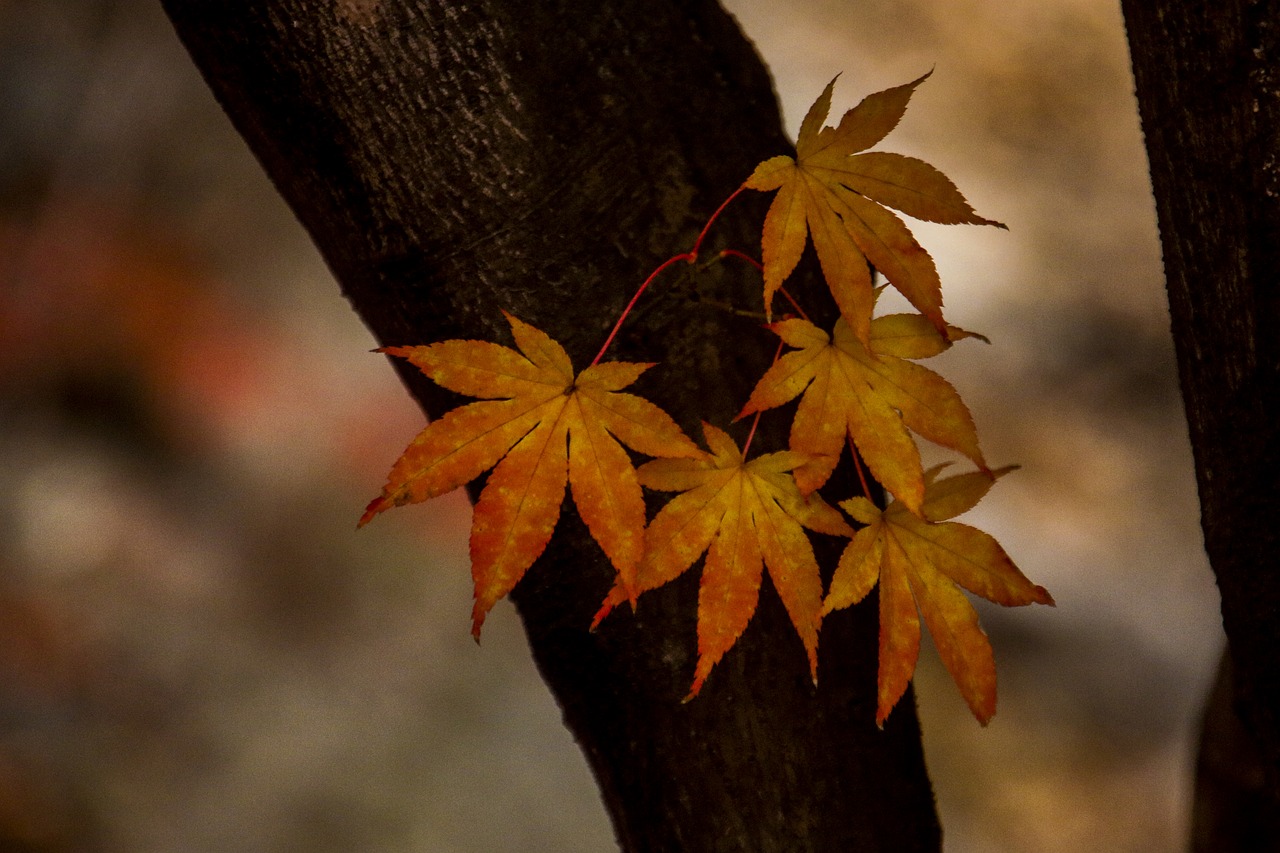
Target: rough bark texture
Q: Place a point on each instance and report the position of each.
(1234, 807)
(450, 160)
(1208, 84)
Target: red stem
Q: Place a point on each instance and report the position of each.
(691, 256)
(755, 423)
(697, 244)
(862, 477)
(794, 304)
(734, 253)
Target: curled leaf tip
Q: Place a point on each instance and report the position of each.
(375, 506)
(479, 612)
(605, 610)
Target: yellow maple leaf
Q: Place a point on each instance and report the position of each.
(873, 395)
(541, 426)
(841, 196)
(920, 563)
(746, 516)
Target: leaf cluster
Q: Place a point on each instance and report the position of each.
(543, 429)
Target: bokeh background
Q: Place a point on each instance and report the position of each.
(198, 652)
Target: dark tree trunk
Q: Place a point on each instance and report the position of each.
(1208, 84)
(453, 159)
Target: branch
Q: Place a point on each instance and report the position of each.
(1207, 89)
(451, 160)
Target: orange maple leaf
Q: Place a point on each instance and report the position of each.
(744, 515)
(918, 563)
(874, 396)
(540, 425)
(839, 196)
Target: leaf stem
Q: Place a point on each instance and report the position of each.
(690, 256)
(755, 422)
(862, 476)
(685, 256)
(746, 447)
(734, 253)
(794, 304)
(697, 244)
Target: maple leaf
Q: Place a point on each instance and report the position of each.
(918, 563)
(541, 426)
(839, 196)
(874, 396)
(745, 516)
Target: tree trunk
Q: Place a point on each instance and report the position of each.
(451, 160)
(1208, 84)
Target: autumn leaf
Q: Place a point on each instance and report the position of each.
(540, 425)
(920, 563)
(874, 396)
(840, 197)
(745, 516)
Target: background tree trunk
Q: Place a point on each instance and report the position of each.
(1208, 84)
(450, 161)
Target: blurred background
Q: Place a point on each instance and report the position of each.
(198, 652)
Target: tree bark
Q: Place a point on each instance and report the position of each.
(1208, 85)
(450, 160)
